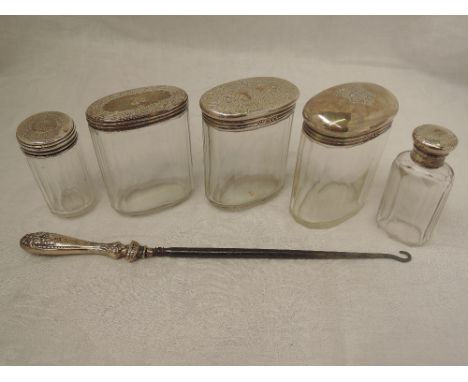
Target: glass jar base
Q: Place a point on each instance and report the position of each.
(151, 197)
(77, 211)
(246, 192)
(403, 232)
(326, 224)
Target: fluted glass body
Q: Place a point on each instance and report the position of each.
(64, 181)
(245, 167)
(331, 183)
(146, 168)
(413, 199)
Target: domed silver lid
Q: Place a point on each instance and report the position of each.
(432, 143)
(249, 103)
(46, 134)
(349, 114)
(135, 108)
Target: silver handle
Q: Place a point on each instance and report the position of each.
(53, 244)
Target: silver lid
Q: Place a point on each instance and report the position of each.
(46, 134)
(249, 103)
(349, 114)
(432, 144)
(135, 108)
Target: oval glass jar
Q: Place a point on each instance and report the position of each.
(142, 142)
(344, 133)
(246, 126)
(49, 141)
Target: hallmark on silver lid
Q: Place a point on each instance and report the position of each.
(46, 134)
(249, 103)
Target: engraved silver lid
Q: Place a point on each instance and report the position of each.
(249, 103)
(432, 144)
(349, 114)
(136, 108)
(46, 134)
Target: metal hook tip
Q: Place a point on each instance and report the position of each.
(407, 257)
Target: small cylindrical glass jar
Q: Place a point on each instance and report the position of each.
(418, 186)
(246, 126)
(49, 141)
(344, 133)
(142, 143)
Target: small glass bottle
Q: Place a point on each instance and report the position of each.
(418, 186)
(142, 143)
(49, 140)
(246, 126)
(344, 133)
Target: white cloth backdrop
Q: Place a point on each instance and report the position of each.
(93, 310)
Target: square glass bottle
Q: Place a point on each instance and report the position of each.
(418, 186)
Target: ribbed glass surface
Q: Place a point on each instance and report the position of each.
(64, 181)
(413, 200)
(331, 183)
(148, 168)
(245, 167)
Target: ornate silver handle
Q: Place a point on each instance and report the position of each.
(53, 244)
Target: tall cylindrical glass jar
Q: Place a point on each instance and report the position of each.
(142, 142)
(344, 133)
(246, 125)
(50, 142)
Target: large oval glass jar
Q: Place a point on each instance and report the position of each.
(142, 142)
(344, 133)
(50, 142)
(246, 125)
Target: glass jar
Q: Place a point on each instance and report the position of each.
(344, 133)
(142, 143)
(246, 126)
(49, 141)
(418, 186)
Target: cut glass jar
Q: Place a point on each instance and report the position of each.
(344, 133)
(246, 126)
(142, 142)
(50, 142)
